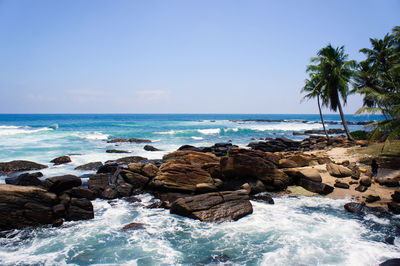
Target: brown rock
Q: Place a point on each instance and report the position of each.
(19, 166)
(61, 160)
(341, 185)
(372, 198)
(117, 140)
(180, 177)
(338, 170)
(58, 223)
(116, 151)
(80, 209)
(135, 140)
(365, 181)
(124, 190)
(308, 173)
(133, 226)
(191, 157)
(286, 163)
(26, 179)
(316, 187)
(82, 192)
(58, 184)
(300, 160)
(214, 207)
(109, 193)
(89, 166)
(97, 183)
(137, 181)
(130, 159)
(150, 170)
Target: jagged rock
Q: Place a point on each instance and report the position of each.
(130, 159)
(26, 179)
(22, 206)
(308, 173)
(80, 209)
(61, 160)
(117, 151)
(150, 170)
(82, 192)
(90, 166)
(58, 184)
(275, 145)
(133, 226)
(150, 148)
(97, 183)
(361, 209)
(316, 187)
(372, 198)
(137, 181)
(108, 168)
(180, 177)
(214, 207)
(338, 170)
(191, 157)
(7, 168)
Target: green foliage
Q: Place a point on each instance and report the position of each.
(359, 134)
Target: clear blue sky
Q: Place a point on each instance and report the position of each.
(104, 56)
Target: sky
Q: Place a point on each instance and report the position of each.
(103, 56)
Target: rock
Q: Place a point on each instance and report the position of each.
(108, 168)
(361, 188)
(355, 207)
(286, 163)
(135, 140)
(117, 151)
(396, 196)
(124, 190)
(278, 145)
(97, 183)
(390, 262)
(316, 187)
(338, 170)
(214, 207)
(372, 198)
(79, 209)
(150, 148)
(218, 149)
(58, 184)
(180, 177)
(26, 179)
(61, 160)
(7, 168)
(341, 185)
(355, 171)
(133, 226)
(59, 210)
(82, 192)
(389, 182)
(191, 157)
(90, 166)
(137, 181)
(205, 188)
(394, 207)
(307, 173)
(117, 140)
(362, 209)
(109, 193)
(365, 181)
(300, 160)
(58, 223)
(263, 198)
(22, 206)
(130, 159)
(150, 170)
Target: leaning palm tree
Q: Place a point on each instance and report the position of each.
(335, 72)
(313, 90)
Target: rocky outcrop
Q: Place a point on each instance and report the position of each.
(150, 148)
(7, 168)
(58, 184)
(307, 173)
(22, 206)
(214, 207)
(180, 177)
(89, 166)
(280, 144)
(316, 187)
(98, 183)
(79, 209)
(26, 179)
(117, 151)
(338, 170)
(133, 140)
(130, 159)
(191, 157)
(218, 149)
(61, 160)
(138, 181)
(362, 209)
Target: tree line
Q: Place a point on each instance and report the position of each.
(332, 77)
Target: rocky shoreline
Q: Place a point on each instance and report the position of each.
(211, 184)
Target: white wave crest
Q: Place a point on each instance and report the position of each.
(197, 138)
(13, 130)
(92, 136)
(170, 132)
(209, 131)
(284, 126)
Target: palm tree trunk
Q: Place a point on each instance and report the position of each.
(322, 119)
(344, 121)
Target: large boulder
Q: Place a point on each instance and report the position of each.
(286, 163)
(307, 173)
(191, 157)
(58, 184)
(180, 177)
(61, 160)
(26, 179)
(316, 187)
(150, 148)
(22, 206)
(338, 170)
(301, 160)
(137, 180)
(79, 209)
(214, 207)
(98, 183)
(7, 168)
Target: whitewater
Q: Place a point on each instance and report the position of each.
(293, 231)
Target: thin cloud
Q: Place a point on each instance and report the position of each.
(152, 95)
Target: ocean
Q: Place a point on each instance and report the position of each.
(293, 231)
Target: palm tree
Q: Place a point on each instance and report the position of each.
(335, 73)
(313, 90)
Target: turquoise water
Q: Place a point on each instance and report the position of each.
(294, 231)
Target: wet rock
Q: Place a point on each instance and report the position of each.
(362, 209)
(277, 145)
(61, 160)
(191, 157)
(108, 168)
(150, 148)
(124, 190)
(396, 196)
(394, 207)
(90, 166)
(79, 209)
(7, 168)
(97, 183)
(134, 226)
(58, 184)
(307, 173)
(361, 188)
(341, 185)
(214, 207)
(58, 223)
(82, 192)
(26, 179)
(130, 159)
(109, 193)
(391, 262)
(263, 198)
(180, 177)
(286, 163)
(132, 200)
(137, 181)
(316, 187)
(116, 140)
(156, 205)
(218, 149)
(116, 151)
(59, 210)
(22, 206)
(135, 140)
(338, 170)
